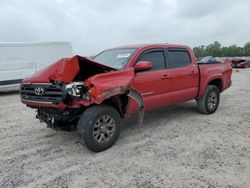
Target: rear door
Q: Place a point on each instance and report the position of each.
(183, 75)
(151, 83)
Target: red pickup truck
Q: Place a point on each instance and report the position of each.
(94, 95)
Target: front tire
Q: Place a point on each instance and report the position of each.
(99, 126)
(209, 103)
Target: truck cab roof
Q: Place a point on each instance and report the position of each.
(153, 45)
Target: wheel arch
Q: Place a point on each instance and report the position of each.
(216, 82)
(120, 102)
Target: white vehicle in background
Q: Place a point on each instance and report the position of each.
(20, 60)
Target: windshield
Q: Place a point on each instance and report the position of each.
(116, 58)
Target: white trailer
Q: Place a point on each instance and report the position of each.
(20, 60)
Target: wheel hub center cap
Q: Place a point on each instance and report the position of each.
(103, 128)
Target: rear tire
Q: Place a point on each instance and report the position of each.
(99, 126)
(209, 103)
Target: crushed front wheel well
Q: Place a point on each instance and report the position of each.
(119, 102)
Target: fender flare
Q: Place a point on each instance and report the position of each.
(131, 93)
(139, 99)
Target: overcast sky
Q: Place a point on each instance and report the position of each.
(94, 25)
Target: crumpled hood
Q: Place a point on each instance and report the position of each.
(64, 70)
(111, 83)
(113, 79)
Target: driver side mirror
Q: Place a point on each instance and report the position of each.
(143, 66)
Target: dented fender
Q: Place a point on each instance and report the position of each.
(115, 83)
(139, 99)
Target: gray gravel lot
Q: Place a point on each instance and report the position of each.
(176, 147)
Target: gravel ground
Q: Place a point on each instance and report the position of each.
(176, 147)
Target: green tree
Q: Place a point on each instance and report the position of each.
(225, 52)
(199, 51)
(247, 49)
(234, 51)
(215, 49)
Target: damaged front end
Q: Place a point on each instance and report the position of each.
(62, 91)
(57, 118)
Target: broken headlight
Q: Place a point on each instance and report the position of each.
(75, 89)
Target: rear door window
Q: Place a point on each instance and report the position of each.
(178, 58)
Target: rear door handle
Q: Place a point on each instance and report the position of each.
(164, 76)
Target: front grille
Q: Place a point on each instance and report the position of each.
(49, 93)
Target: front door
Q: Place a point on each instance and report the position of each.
(152, 84)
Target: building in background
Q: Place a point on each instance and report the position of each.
(20, 60)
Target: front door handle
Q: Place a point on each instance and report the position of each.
(192, 73)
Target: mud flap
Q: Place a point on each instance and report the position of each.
(138, 98)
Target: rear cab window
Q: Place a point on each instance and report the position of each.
(178, 57)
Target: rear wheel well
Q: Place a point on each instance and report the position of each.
(217, 83)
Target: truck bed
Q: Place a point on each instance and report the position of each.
(209, 71)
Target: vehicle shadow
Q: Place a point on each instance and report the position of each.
(155, 118)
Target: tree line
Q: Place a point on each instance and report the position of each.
(217, 50)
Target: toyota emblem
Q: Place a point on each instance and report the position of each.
(39, 91)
